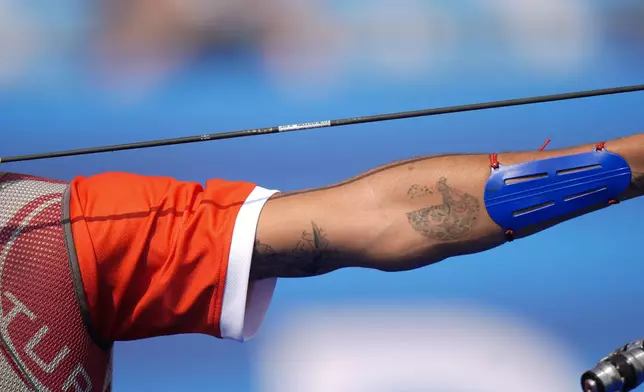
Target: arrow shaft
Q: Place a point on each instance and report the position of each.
(332, 123)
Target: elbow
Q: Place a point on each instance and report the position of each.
(390, 256)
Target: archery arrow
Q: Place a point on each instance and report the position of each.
(332, 123)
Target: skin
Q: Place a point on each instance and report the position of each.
(403, 215)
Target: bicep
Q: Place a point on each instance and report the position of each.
(313, 232)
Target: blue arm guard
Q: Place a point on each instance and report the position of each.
(530, 193)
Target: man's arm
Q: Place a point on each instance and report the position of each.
(401, 216)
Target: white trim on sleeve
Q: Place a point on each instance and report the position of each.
(245, 305)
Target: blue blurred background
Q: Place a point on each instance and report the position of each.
(77, 74)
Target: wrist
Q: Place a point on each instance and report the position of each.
(631, 148)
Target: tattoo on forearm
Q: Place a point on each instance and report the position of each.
(312, 255)
(452, 220)
(417, 191)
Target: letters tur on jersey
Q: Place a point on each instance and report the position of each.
(45, 345)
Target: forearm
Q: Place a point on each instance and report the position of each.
(402, 215)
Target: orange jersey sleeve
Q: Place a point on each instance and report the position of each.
(157, 256)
